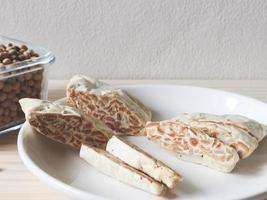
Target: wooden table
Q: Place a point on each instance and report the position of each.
(16, 182)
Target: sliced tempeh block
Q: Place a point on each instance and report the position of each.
(110, 165)
(193, 144)
(252, 127)
(65, 124)
(139, 159)
(255, 128)
(238, 138)
(122, 113)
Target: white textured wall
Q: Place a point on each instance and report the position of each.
(145, 39)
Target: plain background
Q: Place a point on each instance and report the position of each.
(145, 39)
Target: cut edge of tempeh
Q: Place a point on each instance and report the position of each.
(139, 159)
(111, 166)
(64, 124)
(101, 100)
(193, 145)
(239, 139)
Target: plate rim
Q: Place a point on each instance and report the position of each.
(75, 192)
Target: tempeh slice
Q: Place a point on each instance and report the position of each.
(139, 159)
(252, 127)
(65, 124)
(255, 128)
(193, 144)
(120, 112)
(109, 165)
(239, 139)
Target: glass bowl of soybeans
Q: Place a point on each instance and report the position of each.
(24, 70)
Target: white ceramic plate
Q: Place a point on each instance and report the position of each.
(61, 167)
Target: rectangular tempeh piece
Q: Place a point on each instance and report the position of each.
(119, 111)
(64, 124)
(109, 165)
(193, 144)
(137, 158)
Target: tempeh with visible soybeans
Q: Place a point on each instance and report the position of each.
(120, 112)
(65, 124)
(223, 129)
(193, 145)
